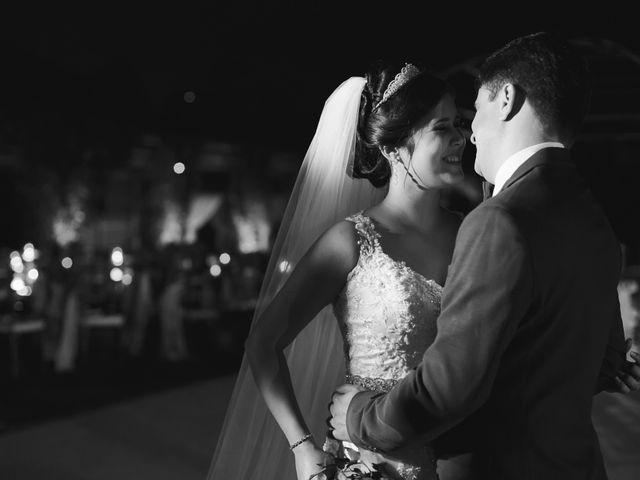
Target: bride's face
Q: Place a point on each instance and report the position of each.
(436, 157)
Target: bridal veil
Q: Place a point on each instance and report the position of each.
(251, 445)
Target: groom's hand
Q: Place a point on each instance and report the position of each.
(338, 408)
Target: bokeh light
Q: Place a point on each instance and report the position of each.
(17, 284)
(284, 266)
(189, 97)
(179, 168)
(25, 291)
(117, 257)
(116, 274)
(33, 274)
(16, 264)
(29, 253)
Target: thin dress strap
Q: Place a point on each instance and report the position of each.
(368, 238)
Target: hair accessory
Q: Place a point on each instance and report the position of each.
(303, 439)
(408, 72)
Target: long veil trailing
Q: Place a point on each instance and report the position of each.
(251, 445)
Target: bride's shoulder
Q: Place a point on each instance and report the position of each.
(339, 242)
(343, 234)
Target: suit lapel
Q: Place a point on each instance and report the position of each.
(552, 155)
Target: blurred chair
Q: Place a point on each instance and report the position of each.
(96, 320)
(201, 314)
(173, 344)
(14, 327)
(142, 309)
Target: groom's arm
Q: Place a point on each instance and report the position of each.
(488, 290)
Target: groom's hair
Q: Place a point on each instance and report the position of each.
(553, 76)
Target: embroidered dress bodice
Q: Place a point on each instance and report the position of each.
(387, 313)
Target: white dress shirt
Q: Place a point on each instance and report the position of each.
(508, 168)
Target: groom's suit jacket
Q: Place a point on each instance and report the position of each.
(530, 330)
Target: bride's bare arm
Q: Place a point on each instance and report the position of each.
(315, 282)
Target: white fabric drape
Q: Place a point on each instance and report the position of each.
(251, 445)
(201, 209)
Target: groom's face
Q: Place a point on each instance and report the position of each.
(484, 136)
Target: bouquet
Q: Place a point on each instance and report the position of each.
(344, 464)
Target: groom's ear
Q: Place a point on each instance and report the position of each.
(510, 99)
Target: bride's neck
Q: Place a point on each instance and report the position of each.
(411, 208)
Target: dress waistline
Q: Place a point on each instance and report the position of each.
(373, 384)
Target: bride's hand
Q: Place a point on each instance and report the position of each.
(628, 378)
(309, 460)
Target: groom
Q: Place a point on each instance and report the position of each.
(530, 326)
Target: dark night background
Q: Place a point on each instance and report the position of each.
(260, 71)
(97, 77)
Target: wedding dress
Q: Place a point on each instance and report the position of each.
(387, 314)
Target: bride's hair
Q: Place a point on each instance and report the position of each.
(395, 120)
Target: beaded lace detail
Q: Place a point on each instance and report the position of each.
(387, 313)
(371, 384)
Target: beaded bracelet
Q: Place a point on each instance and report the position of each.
(303, 439)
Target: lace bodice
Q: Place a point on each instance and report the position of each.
(387, 313)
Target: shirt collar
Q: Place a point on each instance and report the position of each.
(509, 167)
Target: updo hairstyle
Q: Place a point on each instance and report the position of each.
(393, 123)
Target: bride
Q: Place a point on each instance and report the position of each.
(353, 285)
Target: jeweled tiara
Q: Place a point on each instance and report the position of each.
(407, 72)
